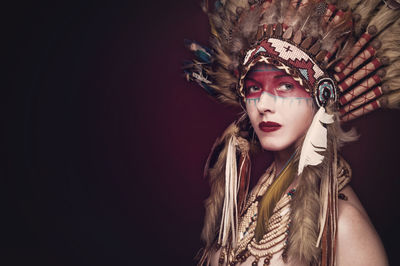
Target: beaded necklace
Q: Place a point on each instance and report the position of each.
(274, 241)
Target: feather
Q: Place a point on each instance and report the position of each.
(391, 100)
(202, 53)
(365, 10)
(229, 209)
(250, 21)
(392, 77)
(383, 18)
(353, 3)
(215, 169)
(305, 210)
(315, 140)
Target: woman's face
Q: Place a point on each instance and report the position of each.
(280, 110)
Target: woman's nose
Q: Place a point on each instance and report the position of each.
(267, 103)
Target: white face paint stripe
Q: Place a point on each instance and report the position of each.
(289, 101)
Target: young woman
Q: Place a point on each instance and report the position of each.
(297, 69)
(281, 112)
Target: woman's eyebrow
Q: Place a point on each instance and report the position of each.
(281, 76)
(266, 69)
(252, 79)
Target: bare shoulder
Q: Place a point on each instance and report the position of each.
(357, 241)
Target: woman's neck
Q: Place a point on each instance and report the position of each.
(281, 158)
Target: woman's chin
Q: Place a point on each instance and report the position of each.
(274, 146)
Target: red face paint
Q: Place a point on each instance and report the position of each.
(276, 82)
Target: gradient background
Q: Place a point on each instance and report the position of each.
(105, 142)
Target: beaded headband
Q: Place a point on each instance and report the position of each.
(293, 60)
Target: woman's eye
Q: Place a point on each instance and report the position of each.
(253, 89)
(285, 87)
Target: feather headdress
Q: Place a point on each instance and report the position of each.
(354, 43)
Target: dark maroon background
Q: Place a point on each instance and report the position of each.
(105, 142)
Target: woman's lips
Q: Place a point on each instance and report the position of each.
(269, 126)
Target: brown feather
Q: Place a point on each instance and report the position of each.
(366, 9)
(392, 77)
(384, 17)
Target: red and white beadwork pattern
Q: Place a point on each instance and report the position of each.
(291, 55)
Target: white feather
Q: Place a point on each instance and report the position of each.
(315, 141)
(230, 211)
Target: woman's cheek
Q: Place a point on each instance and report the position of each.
(305, 119)
(299, 118)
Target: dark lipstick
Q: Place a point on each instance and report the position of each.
(269, 126)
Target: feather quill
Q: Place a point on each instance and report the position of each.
(315, 140)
